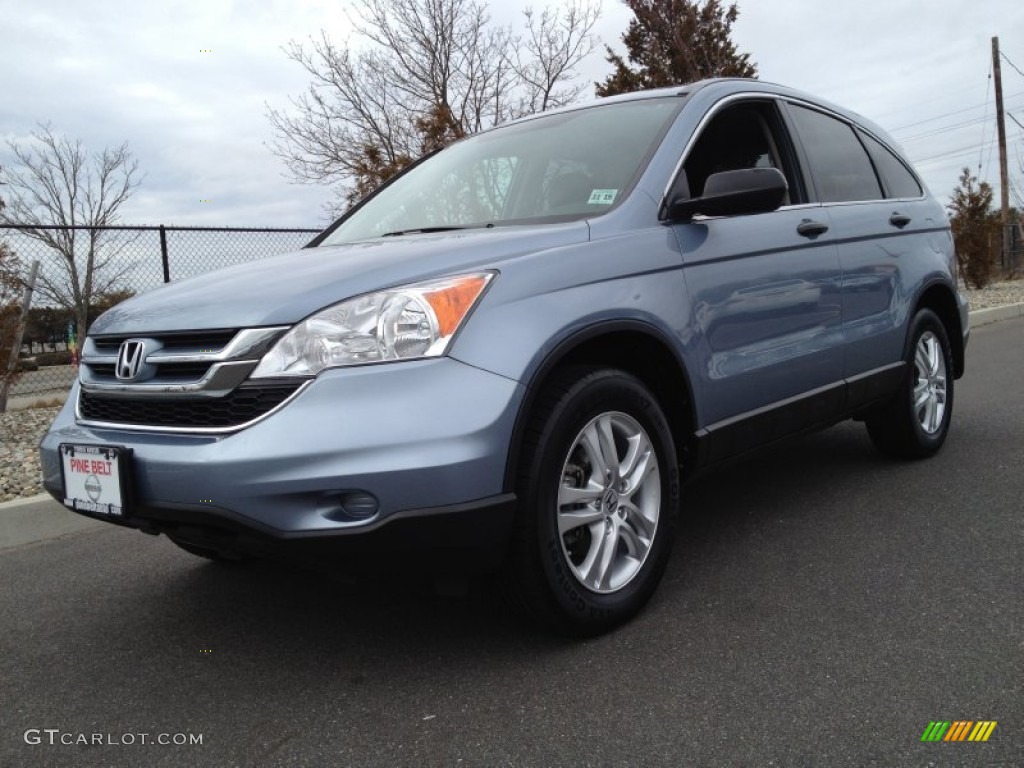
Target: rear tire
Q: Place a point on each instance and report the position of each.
(598, 487)
(914, 424)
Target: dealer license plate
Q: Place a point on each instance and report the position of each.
(94, 478)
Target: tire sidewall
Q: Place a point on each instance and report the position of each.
(597, 393)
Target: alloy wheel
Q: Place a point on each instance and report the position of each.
(609, 502)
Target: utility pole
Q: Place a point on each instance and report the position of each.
(1004, 177)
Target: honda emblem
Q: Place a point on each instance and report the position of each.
(129, 359)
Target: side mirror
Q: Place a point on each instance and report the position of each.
(733, 193)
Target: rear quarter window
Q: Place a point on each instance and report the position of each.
(898, 179)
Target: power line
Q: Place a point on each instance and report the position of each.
(883, 117)
(1011, 63)
(950, 114)
(964, 150)
(944, 129)
(937, 117)
(932, 132)
(988, 91)
(991, 148)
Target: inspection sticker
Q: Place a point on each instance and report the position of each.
(602, 197)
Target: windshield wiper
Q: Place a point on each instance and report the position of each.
(428, 230)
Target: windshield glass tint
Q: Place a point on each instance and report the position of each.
(556, 167)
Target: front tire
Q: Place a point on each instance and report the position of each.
(914, 424)
(599, 490)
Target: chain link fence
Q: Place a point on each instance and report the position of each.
(124, 261)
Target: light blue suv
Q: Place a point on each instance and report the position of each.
(512, 354)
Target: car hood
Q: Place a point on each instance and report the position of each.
(282, 290)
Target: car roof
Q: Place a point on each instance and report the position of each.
(722, 87)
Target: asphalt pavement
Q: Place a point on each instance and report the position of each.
(822, 607)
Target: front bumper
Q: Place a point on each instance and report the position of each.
(427, 439)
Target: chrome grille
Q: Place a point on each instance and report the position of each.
(177, 365)
(185, 382)
(216, 339)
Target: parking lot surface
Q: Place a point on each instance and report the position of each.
(823, 606)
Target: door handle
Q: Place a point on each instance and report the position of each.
(899, 220)
(809, 228)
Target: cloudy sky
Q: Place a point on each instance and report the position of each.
(186, 84)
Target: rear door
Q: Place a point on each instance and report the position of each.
(879, 217)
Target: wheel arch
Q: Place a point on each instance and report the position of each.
(940, 299)
(632, 346)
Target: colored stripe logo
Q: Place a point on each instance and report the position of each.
(959, 730)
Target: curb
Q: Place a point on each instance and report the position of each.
(979, 318)
(25, 501)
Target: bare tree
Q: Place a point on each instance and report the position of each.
(57, 182)
(9, 309)
(547, 54)
(428, 72)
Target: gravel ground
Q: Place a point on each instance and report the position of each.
(20, 431)
(997, 295)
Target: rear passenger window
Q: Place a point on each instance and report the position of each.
(839, 163)
(898, 180)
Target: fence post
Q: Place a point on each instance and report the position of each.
(163, 254)
(12, 363)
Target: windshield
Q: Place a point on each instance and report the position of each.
(553, 168)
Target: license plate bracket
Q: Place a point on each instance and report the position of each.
(95, 479)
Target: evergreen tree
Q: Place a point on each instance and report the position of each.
(670, 42)
(976, 233)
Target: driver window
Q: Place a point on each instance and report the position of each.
(739, 136)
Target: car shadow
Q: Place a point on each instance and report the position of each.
(284, 614)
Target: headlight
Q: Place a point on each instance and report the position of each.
(397, 324)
